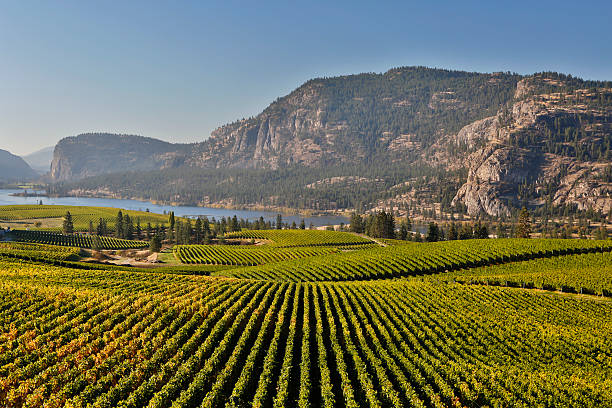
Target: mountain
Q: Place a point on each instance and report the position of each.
(14, 168)
(40, 160)
(327, 121)
(98, 153)
(411, 137)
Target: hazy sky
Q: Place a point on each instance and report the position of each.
(175, 70)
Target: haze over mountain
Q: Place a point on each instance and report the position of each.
(413, 135)
(40, 160)
(14, 168)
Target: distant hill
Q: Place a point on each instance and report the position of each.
(40, 160)
(91, 154)
(14, 168)
(411, 137)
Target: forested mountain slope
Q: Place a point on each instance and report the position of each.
(482, 142)
(14, 168)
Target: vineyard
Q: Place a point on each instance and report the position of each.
(584, 273)
(243, 254)
(407, 260)
(298, 238)
(37, 251)
(50, 216)
(80, 241)
(470, 330)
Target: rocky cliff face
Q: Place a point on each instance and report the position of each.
(99, 153)
(521, 149)
(545, 138)
(295, 134)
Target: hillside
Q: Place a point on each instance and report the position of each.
(98, 153)
(475, 323)
(41, 159)
(14, 168)
(481, 143)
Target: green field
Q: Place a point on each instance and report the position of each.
(244, 254)
(297, 238)
(407, 260)
(80, 241)
(274, 335)
(50, 217)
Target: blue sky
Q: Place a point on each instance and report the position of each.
(177, 70)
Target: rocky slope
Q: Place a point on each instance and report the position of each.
(14, 168)
(489, 142)
(91, 154)
(550, 147)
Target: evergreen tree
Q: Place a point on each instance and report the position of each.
(403, 232)
(356, 223)
(279, 221)
(188, 231)
(91, 227)
(171, 220)
(138, 229)
(466, 232)
(128, 227)
(453, 233)
(102, 228)
(433, 232)
(302, 224)
(155, 244)
(119, 225)
(235, 224)
(523, 229)
(197, 231)
(408, 222)
(481, 231)
(500, 230)
(67, 225)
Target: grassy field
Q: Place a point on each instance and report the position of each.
(50, 217)
(299, 238)
(266, 337)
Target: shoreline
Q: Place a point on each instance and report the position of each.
(284, 211)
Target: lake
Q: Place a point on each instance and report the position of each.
(182, 211)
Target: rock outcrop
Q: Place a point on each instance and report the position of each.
(503, 164)
(545, 138)
(91, 154)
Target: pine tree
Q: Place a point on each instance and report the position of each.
(523, 229)
(433, 232)
(453, 233)
(128, 227)
(466, 232)
(403, 232)
(356, 223)
(155, 244)
(279, 221)
(302, 224)
(119, 225)
(68, 226)
(171, 220)
(197, 231)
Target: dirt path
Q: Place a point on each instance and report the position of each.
(382, 244)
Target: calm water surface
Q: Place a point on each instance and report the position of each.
(183, 211)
